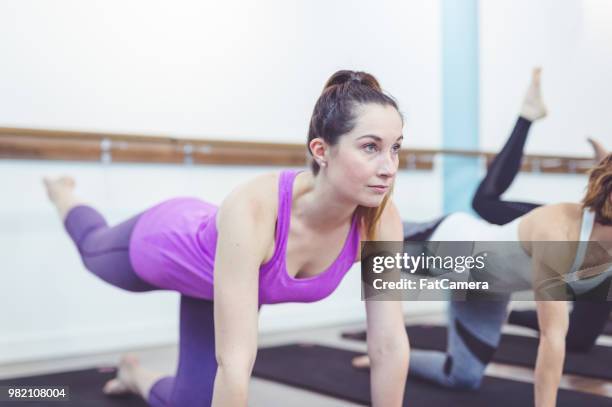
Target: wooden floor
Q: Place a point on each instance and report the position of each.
(265, 393)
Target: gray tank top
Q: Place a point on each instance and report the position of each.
(509, 264)
(582, 285)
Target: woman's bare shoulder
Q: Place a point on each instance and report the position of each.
(553, 222)
(260, 189)
(258, 195)
(559, 211)
(564, 208)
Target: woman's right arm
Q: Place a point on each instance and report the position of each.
(553, 321)
(242, 243)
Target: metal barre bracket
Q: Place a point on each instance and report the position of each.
(188, 154)
(105, 151)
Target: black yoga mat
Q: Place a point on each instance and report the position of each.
(513, 350)
(85, 389)
(328, 371)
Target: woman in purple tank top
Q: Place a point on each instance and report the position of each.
(287, 237)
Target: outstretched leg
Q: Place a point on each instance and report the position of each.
(104, 250)
(505, 166)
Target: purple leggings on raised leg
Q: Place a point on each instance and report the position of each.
(105, 252)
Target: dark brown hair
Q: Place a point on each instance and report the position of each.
(597, 197)
(335, 114)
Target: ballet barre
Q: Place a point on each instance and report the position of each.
(40, 144)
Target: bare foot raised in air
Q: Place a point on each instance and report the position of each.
(533, 107)
(361, 362)
(61, 192)
(598, 149)
(125, 382)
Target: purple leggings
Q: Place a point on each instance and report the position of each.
(105, 252)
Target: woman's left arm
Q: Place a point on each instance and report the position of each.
(548, 258)
(388, 347)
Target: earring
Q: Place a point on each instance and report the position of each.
(323, 164)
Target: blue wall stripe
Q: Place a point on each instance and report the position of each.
(460, 101)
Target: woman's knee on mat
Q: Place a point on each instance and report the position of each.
(463, 376)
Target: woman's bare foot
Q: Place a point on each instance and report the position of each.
(361, 362)
(599, 150)
(132, 378)
(125, 382)
(533, 107)
(61, 192)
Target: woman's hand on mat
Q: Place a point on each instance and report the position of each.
(361, 362)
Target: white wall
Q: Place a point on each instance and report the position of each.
(234, 70)
(571, 40)
(238, 69)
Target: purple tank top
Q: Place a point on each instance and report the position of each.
(173, 247)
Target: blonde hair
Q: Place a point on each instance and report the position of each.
(599, 188)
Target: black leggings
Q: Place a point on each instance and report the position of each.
(587, 318)
(500, 174)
